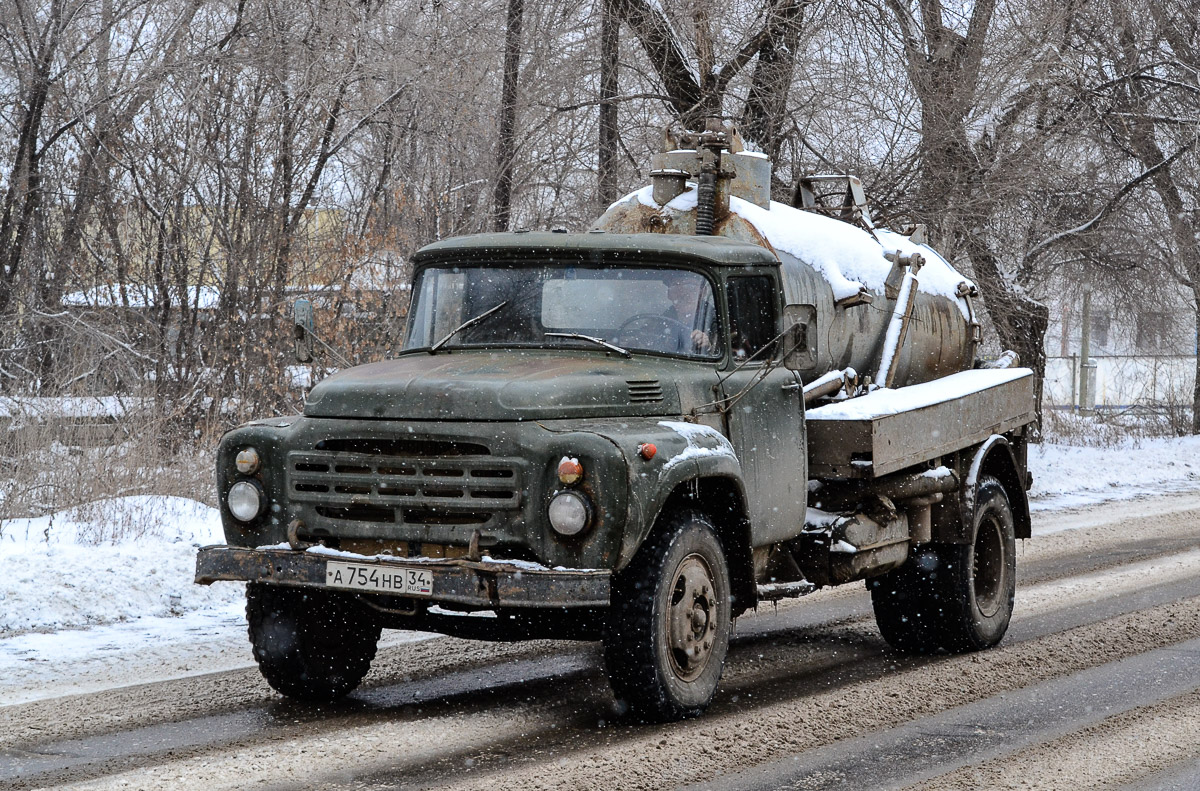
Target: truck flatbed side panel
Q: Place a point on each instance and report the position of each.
(889, 430)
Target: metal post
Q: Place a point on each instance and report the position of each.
(1074, 382)
(1087, 398)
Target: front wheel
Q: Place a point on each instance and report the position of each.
(310, 645)
(668, 630)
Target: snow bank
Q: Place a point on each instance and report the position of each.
(79, 616)
(139, 296)
(1066, 476)
(73, 569)
(71, 407)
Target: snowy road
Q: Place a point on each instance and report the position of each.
(1102, 660)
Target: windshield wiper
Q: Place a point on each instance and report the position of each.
(600, 341)
(465, 325)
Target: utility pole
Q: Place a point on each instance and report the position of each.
(1087, 368)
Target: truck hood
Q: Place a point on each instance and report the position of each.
(508, 385)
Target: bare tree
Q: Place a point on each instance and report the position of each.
(506, 142)
(696, 90)
(1146, 100)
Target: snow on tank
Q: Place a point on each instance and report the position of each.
(857, 281)
(850, 259)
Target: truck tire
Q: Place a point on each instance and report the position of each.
(980, 578)
(954, 597)
(907, 604)
(668, 630)
(310, 645)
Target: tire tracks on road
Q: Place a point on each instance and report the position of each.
(544, 702)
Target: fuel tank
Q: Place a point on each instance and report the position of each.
(853, 275)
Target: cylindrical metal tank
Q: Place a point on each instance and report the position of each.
(844, 272)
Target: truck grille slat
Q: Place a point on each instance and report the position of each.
(407, 448)
(369, 486)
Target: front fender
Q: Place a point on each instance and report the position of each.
(683, 452)
(269, 437)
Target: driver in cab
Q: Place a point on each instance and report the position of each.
(690, 313)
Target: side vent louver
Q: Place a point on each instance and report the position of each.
(644, 391)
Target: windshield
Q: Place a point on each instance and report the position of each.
(671, 311)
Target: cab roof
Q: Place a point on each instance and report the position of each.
(597, 246)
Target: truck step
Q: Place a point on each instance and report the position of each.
(785, 590)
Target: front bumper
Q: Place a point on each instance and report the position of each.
(482, 584)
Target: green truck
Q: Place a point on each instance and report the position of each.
(635, 435)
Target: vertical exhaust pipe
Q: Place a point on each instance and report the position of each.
(713, 143)
(706, 199)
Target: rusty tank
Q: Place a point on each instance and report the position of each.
(879, 306)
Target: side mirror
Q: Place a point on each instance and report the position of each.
(302, 329)
(800, 340)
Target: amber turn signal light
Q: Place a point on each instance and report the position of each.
(569, 471)
(647, 449)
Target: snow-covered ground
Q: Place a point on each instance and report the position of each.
(102, 596)
(1068, 476)
(127, 558)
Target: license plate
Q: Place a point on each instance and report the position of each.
(406, 582)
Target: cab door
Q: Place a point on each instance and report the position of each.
(764, 410)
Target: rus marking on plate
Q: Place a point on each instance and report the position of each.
(409, 582)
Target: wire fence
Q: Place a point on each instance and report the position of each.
(1122, 381)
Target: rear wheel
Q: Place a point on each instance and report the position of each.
(954, 597)
(668, 630)
(907, 603)
(981, 577)
(310, 645)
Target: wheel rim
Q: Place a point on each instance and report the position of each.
(691, 618)
(989, 567)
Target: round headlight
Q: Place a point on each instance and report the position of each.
(568, 513)
(247, 461)
(245, 501)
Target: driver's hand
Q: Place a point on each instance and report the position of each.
(700, 340)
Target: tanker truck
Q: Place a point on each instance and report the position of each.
(636, 434)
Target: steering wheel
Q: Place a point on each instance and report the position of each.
(654, 331)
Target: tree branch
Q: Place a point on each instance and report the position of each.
(662, 46)
(1109, 207)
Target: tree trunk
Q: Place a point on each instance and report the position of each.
(1145, 147)
(1020, 322)
(665, 51)
(953, 198)
(606, 151)
(506, 144)
(766, 101)
(1196, 349)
